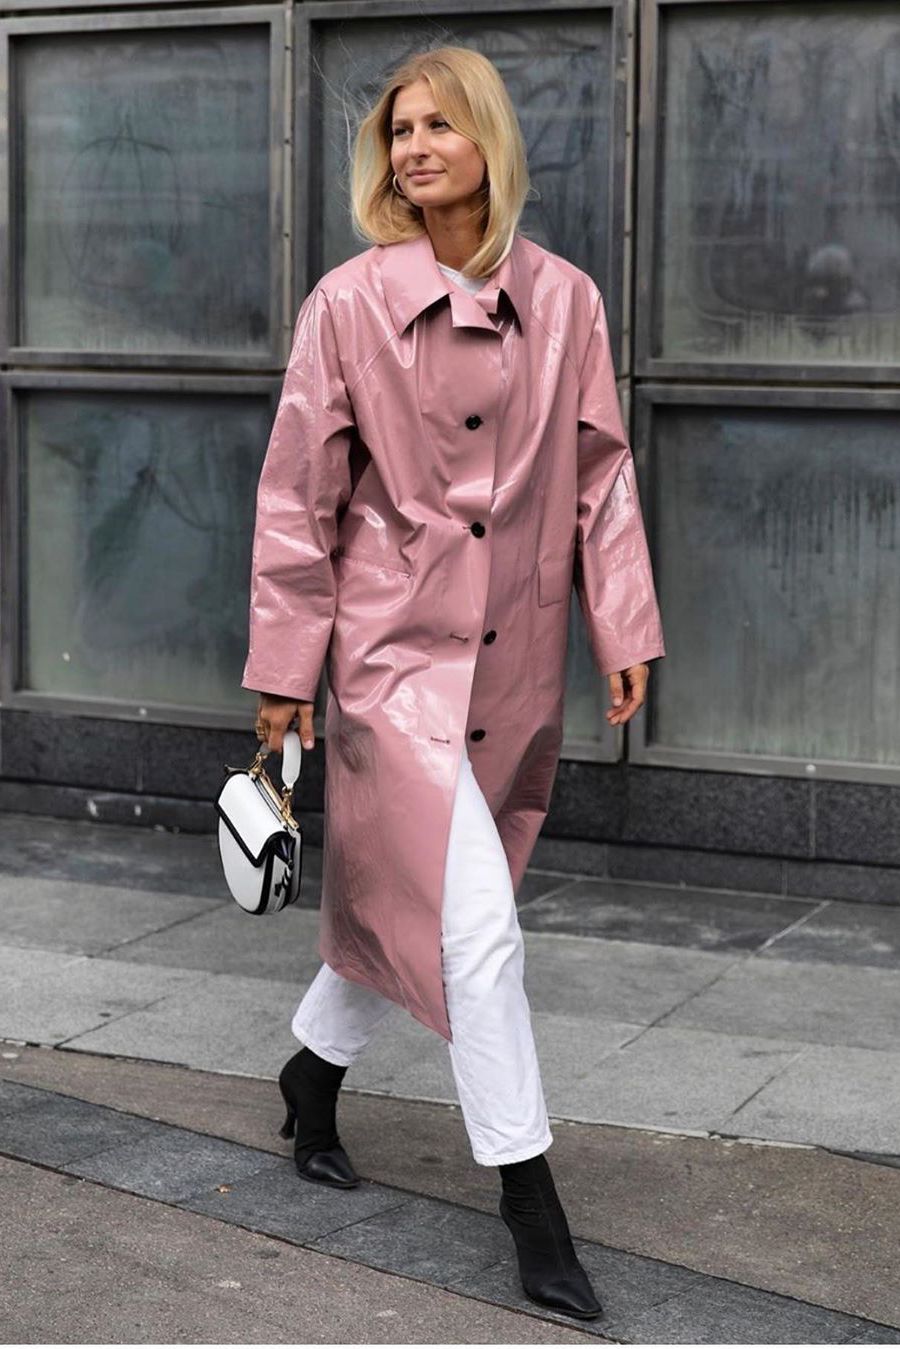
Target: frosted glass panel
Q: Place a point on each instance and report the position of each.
(778, 232)
(144, 194)
(558, 70)
(138, 522)
(778, 568)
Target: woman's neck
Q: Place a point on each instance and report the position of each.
(455, 237)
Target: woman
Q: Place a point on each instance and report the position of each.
(447, 459)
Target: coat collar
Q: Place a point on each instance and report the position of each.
(412, 281)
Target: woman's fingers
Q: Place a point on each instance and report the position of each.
(274, 717)
(631, 686)
(307, 734)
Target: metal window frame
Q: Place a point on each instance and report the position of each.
(308, 17)
(11, 29)
(653, 17)
(643, 750)
(37, 7)
(11, 538)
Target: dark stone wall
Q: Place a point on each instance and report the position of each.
(741, 831)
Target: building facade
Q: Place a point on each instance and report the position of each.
(728, 171)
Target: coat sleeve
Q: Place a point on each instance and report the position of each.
(304, 482)
(613, 576)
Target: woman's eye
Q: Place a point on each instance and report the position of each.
(435, 121)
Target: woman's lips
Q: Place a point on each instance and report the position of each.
(421, 176)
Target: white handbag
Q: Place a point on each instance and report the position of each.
(259, 840)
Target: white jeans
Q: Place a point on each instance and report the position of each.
(492, 1053)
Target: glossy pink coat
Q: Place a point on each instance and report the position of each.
(412, 414)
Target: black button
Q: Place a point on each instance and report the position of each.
(473, 422)
(489, 636)
(476, 735)
(477, 529)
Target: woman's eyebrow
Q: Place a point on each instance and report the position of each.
(433, 113)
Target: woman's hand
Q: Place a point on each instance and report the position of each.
(274, 716)
(627, 691)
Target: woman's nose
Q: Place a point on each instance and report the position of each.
(418, 142)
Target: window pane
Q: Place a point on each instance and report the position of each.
(777, 228)
(144, 194)
(138, 523)
(778, 566)
(558, 72)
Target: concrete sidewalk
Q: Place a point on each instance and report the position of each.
(671, 1024)
(749, 1016)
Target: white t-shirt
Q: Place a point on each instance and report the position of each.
(469, 283)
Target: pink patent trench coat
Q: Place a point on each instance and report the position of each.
(442, 467)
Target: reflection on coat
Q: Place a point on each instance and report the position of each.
(441, 468)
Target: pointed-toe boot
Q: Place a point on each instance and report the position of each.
(549, 1268)
(310, 1086)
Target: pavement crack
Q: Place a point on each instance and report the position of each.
(791, 927)
(156, 932)
(782, 1068)
(688, 997)
(111, 1020)
(564, 883)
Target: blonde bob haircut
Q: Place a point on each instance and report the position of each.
(471, 95)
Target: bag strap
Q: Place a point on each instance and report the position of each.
(291, 756)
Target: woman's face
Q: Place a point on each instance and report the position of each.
(422, 141)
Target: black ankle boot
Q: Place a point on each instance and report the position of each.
(551, 1272)
(310, 1085)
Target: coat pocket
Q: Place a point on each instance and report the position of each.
(555, 578)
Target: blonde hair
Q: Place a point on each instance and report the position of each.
(471, 95)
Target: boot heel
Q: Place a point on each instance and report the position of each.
(287, 1129)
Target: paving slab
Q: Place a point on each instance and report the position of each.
(571, 1054)
(794, 1000)
(72, 995)
(23, 965)
(86, 919)
(170, 1164)
(614, 980)
(278, 1201)
(875, 1334)
(16, 1096)
(844, 934)
(283, 947)
(207, 1021)
(424, 1239)
(110, 854)
(680, 1079)
(58, 1129)
(708, 1314)
(836, 1097)
(112, 1267)
(705, 920)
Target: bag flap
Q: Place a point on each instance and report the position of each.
(249, 814)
